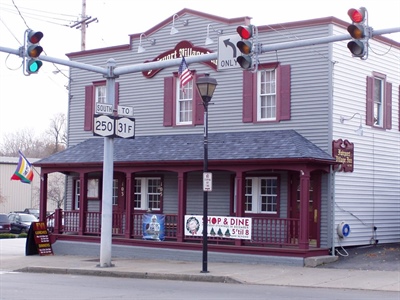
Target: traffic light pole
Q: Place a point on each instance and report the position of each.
(195, 59)
(111, 72)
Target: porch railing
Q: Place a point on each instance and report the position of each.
(265, 231)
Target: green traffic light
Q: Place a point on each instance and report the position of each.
(33, 66)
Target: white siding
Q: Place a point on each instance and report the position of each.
(370, 196)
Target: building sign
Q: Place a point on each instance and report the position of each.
(343, 152)
(182, 49)
(153, 227)
(225, 227)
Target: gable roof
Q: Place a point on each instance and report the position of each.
(270, 145)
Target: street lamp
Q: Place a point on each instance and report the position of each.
(206, 87)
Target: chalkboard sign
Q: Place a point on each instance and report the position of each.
(38, 241)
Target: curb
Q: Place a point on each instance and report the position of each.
(138, 275)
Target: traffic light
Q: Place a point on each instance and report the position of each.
(32, 51)
(246, 60)
(359, 32)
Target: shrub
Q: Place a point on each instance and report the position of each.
(7, 236)
(12, 235)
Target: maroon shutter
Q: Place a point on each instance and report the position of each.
(198, 106)
(284, 93)
(168, 101)
(388, 106)
(369, 119)
(248, 96)
(89, 103)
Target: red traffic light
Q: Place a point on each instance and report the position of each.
(245, 32)
(34, 37)
(357, 15)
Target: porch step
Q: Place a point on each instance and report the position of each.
(315, 261)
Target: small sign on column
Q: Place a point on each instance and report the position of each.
(207, 182)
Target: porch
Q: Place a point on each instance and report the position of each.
(269, 236)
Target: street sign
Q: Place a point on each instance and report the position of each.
(103, 125)
(207, 182)
(125, 111)
(125, 127)
(228, 52)
(104, 109)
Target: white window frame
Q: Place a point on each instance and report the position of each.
(184, 103)
(145, 194)
(100, 94)
(77, 193)
(266, 95)
(115, 192)
(378, 94)
(256, 196)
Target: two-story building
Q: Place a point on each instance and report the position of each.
(307, 146)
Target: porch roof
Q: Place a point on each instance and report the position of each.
(251, 145)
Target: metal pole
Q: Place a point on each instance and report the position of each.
(205, 193)
(108, 174)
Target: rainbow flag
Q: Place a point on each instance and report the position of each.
(24, 171)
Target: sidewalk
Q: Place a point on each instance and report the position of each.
(13, 259)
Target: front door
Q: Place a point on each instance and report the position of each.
(118, 202)
(313, 205)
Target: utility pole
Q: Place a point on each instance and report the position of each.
(82, 24)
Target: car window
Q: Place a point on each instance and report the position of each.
(3, 218)
(28, 218)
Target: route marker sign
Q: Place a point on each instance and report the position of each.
(103, 125)
(125, 127)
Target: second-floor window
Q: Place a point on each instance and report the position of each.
(96, 93)
(379, 101)
(182, 107)
(267, 94)
(184, 103)
(100, 94)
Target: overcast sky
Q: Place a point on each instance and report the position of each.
(31, 101)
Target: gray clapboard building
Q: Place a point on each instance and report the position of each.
(308, 146)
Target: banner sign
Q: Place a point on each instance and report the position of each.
(153, 227)
(225, 227)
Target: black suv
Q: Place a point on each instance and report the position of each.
(21, 222)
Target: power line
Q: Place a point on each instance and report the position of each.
(38, 15)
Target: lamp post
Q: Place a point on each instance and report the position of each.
(206, 87)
